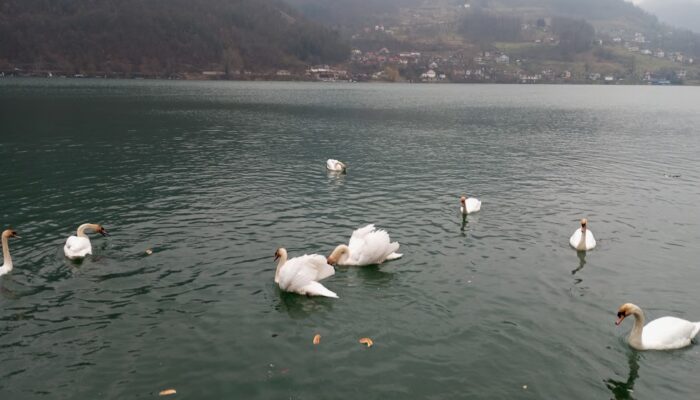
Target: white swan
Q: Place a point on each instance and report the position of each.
(469, 205)
(665, 333)
(301, 274)
(79, 246)
(335, 165)
(367, 246)
(7, 260)
(582, 239)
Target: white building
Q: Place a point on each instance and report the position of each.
(428, 75)
(502, 59)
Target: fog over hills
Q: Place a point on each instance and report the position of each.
(681, 13)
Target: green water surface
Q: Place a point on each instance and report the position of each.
(215, 176)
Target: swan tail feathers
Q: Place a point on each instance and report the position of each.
(394, 256)
(316, 289)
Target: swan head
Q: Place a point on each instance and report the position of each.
(339, 252)
(584, 223)
(280, 253)
(101, 230)
(463, 199)
(97, 228)
(9, 233)
(625, 311)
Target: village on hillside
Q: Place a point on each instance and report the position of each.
(438, 44)
(641, 62)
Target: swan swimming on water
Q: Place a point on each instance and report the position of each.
(582, 239)
(7, 260)
(335, 165)
(665, 333)
(301, 274)
(79, 246)
(469, 205)
(367, 246)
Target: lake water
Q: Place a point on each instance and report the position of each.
(215, 176)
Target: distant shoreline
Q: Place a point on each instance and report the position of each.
(550, 83)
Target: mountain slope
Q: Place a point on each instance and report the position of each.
(681, 13)
(161, 37)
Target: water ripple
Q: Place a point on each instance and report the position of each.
(213, 177)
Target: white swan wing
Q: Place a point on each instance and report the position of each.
(320, 264)
(334, 165)
(473, 205)
(77, 247)
(357, 242)
(590, 240)
(575, 240)
(300, 273)
(358, 235)
(668, 333)
(370, 246)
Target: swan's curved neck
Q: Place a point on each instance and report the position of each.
(340, 254)
(635, 338)
(280, 263)
(7, 260)
(582, 242)
(83, 227)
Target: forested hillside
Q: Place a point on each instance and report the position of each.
(393, 40)
(160, 37)
(352, 13)
(495, 20)
(526, 41)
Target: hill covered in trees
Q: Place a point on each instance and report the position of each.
(161, 37)
(610, 41)
(395, 40)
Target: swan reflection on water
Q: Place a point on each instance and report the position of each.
(624, 389)
(466, 220)
(581, 261)
(336, 178)
(301, 307)
(374, 276)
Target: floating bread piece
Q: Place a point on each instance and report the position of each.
(317, 339)
(167, 392)
(367, 341)
(149, 251)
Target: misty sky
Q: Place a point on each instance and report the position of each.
(682, 13)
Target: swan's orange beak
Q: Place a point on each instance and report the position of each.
(620, 317)
(277, 255)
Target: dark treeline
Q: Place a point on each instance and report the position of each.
(352, 13)
(481, 26)
(161, 37)
(681, 40)
(575, 35)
